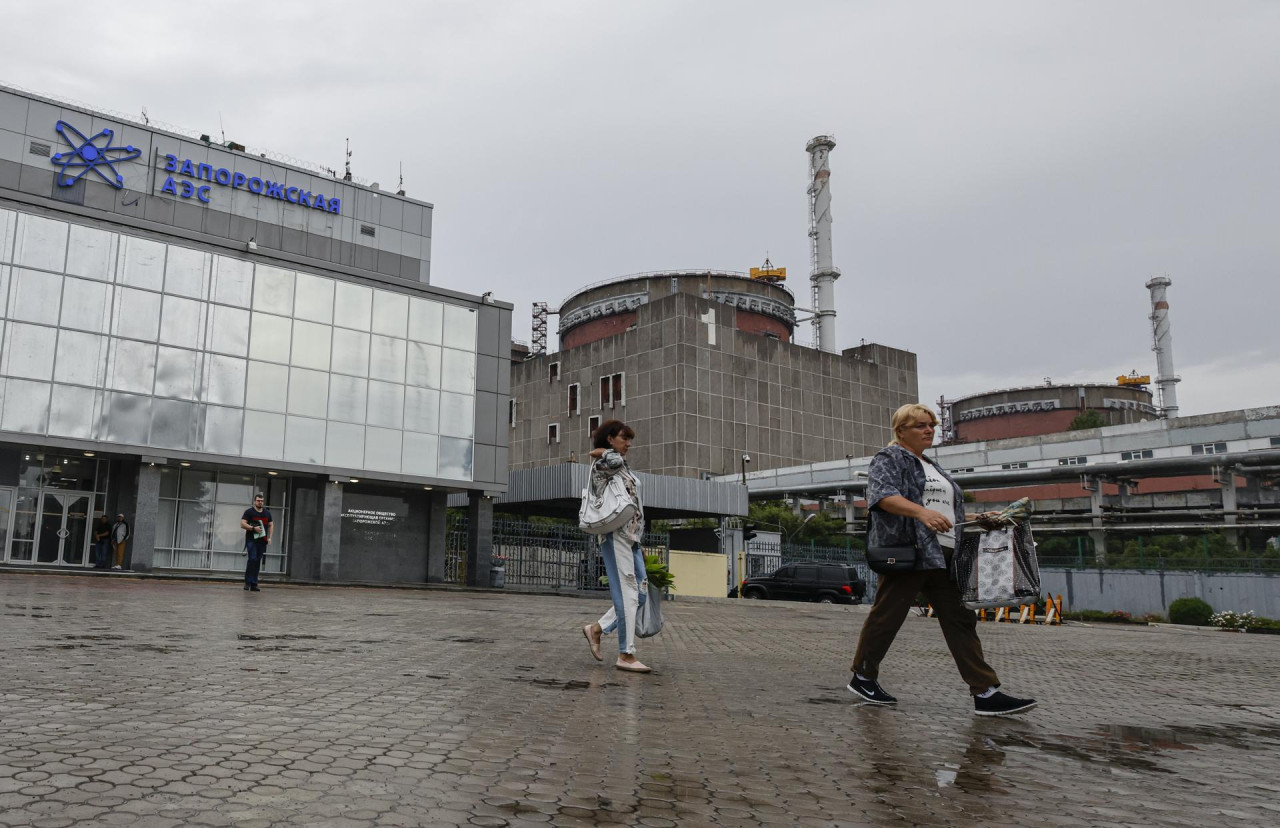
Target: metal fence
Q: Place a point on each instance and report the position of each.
(542, 555)
(764, 556)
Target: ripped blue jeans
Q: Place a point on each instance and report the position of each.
(623, 565)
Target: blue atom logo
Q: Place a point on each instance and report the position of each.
(88, 155)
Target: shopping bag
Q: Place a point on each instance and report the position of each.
(649, 614)
(997, 568)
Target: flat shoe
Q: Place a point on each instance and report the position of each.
(632, 667)
(593, 642)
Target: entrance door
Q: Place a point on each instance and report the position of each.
(63, 535)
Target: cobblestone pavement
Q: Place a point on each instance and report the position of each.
(145, 702)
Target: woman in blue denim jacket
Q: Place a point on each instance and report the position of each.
(623, 556)
(911, 501)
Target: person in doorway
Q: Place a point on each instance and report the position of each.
(101, 542)
(258, 528)
(620, 549)
(912, 501)
(119, 535)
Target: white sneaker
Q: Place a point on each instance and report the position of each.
(117, 567)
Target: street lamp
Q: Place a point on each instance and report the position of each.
(746, 458)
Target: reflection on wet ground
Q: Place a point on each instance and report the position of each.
(129, 700)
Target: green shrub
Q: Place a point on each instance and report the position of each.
(1116, 616)
(1190, 611)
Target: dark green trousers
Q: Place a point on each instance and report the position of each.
(895, 596)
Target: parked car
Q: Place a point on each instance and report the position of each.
(826, 583)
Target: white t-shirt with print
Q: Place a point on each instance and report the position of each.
(940, 496)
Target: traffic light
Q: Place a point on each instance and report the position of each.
(748, 531)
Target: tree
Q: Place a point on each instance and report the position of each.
(1087, 419)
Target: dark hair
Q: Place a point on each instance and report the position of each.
(608, 430)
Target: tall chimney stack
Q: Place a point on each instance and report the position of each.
(823, 275)
(1166, 379)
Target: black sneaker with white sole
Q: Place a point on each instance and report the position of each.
(999, 704)
(870, 691)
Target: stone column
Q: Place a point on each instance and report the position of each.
(1098, 534)
(437, 536)
(331, 531)
(146, 512)
(479, 538)
(1229, 506)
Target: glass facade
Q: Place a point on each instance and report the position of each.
(131, 341)
(199, 522)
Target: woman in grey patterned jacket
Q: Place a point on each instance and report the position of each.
(911, 501)
(623, 556)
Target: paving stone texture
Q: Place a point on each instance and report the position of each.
(145, 702)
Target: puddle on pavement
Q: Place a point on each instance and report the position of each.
(552, 684)
(1119, 747)
(284, 637)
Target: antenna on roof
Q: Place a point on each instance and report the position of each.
(346, 176)
(400, 186)
(145, 119)
(222, 129)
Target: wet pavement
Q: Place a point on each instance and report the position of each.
(142, 702)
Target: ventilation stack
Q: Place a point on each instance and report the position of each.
(823, 275)
(1166, 379)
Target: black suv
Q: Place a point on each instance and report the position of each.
(826, 583)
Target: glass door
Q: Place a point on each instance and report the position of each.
(63, 536)
(6, 515)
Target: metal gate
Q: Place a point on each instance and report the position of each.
(549, 555)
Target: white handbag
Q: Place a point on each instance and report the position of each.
(610, 511)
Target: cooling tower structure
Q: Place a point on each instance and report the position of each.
(823, 274)
(1166, 379)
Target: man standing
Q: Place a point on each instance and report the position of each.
(257, 526)
(119, 534)
(101, 542)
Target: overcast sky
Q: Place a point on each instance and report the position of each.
(1006, 178)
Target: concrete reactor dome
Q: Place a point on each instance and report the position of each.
(604, 309)
(1045, 409)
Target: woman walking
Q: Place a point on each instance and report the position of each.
(912, 501)
(620, 549)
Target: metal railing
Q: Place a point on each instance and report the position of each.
(542, 555)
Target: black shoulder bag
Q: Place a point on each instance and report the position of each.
(886, 560)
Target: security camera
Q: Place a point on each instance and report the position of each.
(746, 458)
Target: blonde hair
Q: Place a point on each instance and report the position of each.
(907, 415)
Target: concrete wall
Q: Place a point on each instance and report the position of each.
(699, 573)
(1139, 593)
(700, 393)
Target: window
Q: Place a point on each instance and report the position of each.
(1144, 454)
(1209, 448)
(1007, 466)
(593, 423)
(553, 372)
(613, 391)
(962, 471)
(1275, 442)
(1073, 461)
(575, 402)
(511, 411)
(553, 433)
